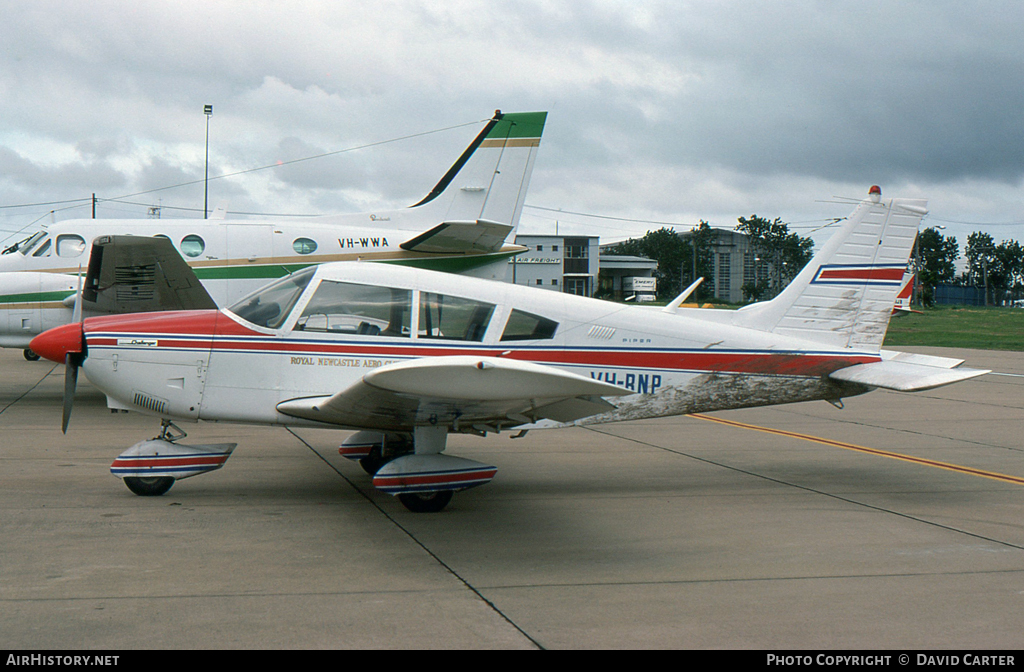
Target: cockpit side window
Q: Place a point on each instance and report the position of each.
(70, 245)
(365, 310)
(524, 326)
(453, 318)
(269, 306)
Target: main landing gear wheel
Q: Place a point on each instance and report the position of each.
(153, 486)
(426, 502)
(29, 355)
(372, 463)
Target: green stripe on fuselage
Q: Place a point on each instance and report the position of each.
(267, 272)
(36, 297)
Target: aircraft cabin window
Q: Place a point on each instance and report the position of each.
(192, 245)
(365, 310)
(523, 326)
(453, 318)
(269, 306)
(304, 246)
(70, 245)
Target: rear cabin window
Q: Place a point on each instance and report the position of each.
(365, 310)
(304, 246)
(523, 326)
(453, 318)
(70, 245)
(192, 245)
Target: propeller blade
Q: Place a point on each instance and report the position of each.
(76, 314)
(71, 363)
(73, 360)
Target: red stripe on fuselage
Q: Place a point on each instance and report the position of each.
(193, 329)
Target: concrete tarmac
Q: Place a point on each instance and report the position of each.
(671, 533)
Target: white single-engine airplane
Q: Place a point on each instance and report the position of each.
(902, 305)
(460, 226)
(408, 356)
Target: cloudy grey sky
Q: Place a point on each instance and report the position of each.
(668, 111)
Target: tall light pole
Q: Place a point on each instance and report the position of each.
(208, 111)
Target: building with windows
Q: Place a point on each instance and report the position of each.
(623, 276)
(567, 264)
(735, 264)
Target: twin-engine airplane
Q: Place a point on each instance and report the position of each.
(408, 356)
(461, 226)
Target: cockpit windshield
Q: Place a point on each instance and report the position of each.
(25, 246)
(269, 306)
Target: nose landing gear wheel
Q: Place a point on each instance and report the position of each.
(426, 502)
(149, 487)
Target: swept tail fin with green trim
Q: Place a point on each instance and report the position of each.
(490, 179)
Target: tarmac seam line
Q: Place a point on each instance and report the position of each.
(813, 490)
(29, 390)
(419, 543)
(757, 579)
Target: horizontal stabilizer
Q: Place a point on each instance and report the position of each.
(925, 360)
(454, 237)
(904, 376)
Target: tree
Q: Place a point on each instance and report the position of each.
(668, 249)
(980, 255)
(675, 258)
(999, 269)
(935, 255)
(702, 260)
(779, 255)
(1010, 258)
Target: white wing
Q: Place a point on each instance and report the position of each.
(485, 393)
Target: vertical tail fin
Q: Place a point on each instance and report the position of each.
(844, 296)
(490, 179)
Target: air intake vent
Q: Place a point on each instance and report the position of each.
(603, 333)
(134, 283)
(143, 400)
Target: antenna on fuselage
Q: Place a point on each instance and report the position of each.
(678, 301)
